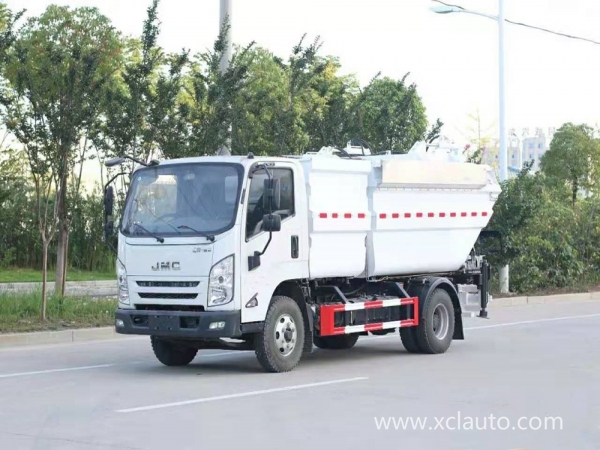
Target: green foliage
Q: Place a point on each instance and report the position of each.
(392, 115)
(19, 312)
(573, 158)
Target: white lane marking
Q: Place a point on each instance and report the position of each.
(99, 366)
(506, 324)
(41, 372)
(241, 394)
(526, 322)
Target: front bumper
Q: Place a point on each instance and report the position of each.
(178, 324)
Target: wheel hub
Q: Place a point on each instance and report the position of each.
(441, 321)
(285, 334)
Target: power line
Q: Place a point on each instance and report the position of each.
(533, 27)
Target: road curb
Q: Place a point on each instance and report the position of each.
(105, 333)
(57, 337)
(543, 299)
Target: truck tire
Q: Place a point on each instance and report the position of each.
(434, 333)
(171, 354)
(408, 335)
(341, 342)
(280, 345)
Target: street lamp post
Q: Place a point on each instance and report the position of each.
(503, 157)
(225, 13)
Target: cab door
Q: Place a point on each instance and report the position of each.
(286, 257)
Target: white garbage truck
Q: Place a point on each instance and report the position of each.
(281, 254)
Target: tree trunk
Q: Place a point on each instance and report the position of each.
(61, 259)
(44, 277)
(575, 189)
(63, 234)
(65, 259)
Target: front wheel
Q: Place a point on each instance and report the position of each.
(171, 354)
(279, 346)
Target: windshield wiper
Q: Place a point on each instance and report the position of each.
(158, 238)
(210, 237)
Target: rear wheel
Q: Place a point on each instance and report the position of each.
(408, 335)
(172, 354)
(279, 346)
(341, 342)
(434, 334)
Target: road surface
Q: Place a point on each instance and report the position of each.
(524, 365)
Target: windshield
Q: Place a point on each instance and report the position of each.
(183, 199)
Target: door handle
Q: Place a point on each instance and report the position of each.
(295, 247)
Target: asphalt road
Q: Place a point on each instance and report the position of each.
(528, 362)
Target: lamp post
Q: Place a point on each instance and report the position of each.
(225, 13)
(503, 159)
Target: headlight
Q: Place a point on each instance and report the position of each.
(122, 282)
(220, 285)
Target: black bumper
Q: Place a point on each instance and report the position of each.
(178, 324)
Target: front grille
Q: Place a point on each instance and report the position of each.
(167, 295)
(192, 308)
(175, 284)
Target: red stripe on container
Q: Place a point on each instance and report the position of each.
(383, 216)
(395, 216)
(323, 215)
(419, 214)
(361, 215)
(452, 214)
(463, 214)
(335, 215)
(407, 215)
(473, 214)
(347, 216)
(430, 215)
(442, 214)
(484, 213)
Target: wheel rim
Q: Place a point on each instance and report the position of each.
(285, 335)
(441, 321)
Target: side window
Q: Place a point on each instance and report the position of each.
(255, 199)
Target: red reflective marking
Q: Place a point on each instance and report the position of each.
(430, 215)
(473, 214)
(323, 215)
(395, 216)
(373, 326)
(382, 216)
(452, 214)
(347, 216)
(361, 215)
(334, 215)
(407, 215)
(484, 213)
(463, 214)
(419, 214)
(374, 304)
(442, 214)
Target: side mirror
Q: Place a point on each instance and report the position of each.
(114, 162)
(271, 223)
(272, 195)
(109, 201)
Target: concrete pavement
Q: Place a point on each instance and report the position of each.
(532, 361)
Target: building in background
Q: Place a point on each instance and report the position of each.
(523, 146)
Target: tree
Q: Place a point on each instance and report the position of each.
(59, 66)
(392, 115)
(330, 115)
(573, 158)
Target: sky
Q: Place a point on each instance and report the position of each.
(452, 58)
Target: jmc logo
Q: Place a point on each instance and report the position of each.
(167, 266)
